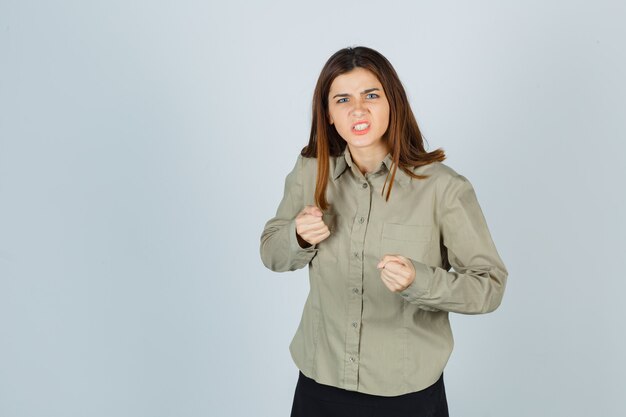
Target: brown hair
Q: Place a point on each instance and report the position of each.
(403, 136)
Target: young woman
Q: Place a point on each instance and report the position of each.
(380, 222)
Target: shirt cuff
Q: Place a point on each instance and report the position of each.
(420, 285)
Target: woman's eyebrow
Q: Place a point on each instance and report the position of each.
(369, 90)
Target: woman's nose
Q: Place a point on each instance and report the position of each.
(359, 108)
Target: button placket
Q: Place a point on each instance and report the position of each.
(355, 304)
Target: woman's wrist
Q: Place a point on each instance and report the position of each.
(303, 243)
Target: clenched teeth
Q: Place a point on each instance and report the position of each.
(361, 126)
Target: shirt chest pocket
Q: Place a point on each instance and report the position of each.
(411, 240)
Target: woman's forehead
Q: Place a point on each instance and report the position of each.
(357, 79)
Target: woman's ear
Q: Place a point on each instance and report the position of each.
(330, 119)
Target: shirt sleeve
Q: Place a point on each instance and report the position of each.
(477, 283)
(280, 250)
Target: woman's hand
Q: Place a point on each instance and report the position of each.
(310, 227)
(397, 272)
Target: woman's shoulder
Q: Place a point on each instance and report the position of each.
(449, 183)
(438, 170)
(308, 163)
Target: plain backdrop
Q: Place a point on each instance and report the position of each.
(143, 145)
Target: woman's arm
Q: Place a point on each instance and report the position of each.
(280, 248)
(477, 283)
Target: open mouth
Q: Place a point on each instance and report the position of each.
(361, 127)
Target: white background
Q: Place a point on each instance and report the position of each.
(143, 145)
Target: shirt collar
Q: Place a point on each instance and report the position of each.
(344, 161)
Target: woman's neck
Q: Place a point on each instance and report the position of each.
(368, 160)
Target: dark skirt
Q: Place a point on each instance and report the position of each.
(312, 399)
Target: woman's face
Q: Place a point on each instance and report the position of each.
(359, 109)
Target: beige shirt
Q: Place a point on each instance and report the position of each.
(355, 333)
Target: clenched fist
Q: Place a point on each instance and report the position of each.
(397, 272)
(310, 228)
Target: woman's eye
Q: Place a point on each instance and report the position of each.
(372, 95)
(342, 100)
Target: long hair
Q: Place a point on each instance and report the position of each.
(403, 136)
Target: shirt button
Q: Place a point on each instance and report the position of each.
(351, 359)
(355, 324)
(355, 290)
(364, 185)
(361, 220)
